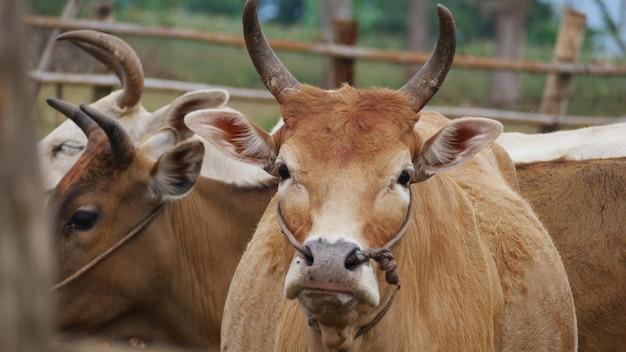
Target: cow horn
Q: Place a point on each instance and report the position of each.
(72, 111)
(118, 56)
(427, 81)
(273, 73)
(122, 146)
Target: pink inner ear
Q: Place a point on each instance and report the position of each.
(232, 133)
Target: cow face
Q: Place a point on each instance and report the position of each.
(111, 189)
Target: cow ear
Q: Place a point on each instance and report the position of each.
(455, 144)
(234, 134)
(158, 143)
(177, 170)
(193, 101)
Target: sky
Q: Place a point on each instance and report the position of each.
(605, 43)
(589, 7)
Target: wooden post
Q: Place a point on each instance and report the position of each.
(101, 12)
(568, 44)
(346, 32)
(25, 271)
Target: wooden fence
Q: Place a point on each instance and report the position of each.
(334, 51)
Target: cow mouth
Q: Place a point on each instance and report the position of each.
(332, 297)
(330, 308)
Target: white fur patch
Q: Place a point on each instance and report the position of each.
(596, 142)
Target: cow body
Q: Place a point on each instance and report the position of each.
(168, 284)
(581, 203)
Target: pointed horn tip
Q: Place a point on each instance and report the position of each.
(67, 109)
(252, 3)
(444, 13)
(53, 102)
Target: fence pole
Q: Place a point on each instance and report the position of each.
(25, 259)
(346, 33)
(567, 48)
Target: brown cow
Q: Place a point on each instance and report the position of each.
(365, 174)
(582, 204)
(141, 253)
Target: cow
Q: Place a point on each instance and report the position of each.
(366, 175)
(60, 149)
(145, 245)
(581, 203)
(575, 181)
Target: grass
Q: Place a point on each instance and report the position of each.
(229, 66)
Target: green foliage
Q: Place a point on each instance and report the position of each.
(46, 7)
(231, 8)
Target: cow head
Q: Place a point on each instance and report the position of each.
(346, 159)
(111, 190)
(60, 149)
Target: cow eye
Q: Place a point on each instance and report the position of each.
(69, 147)
(82, 220)
(283, 172)
(404, 178)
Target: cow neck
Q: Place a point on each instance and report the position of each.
(133, 232)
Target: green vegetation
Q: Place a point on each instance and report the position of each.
(229, 66)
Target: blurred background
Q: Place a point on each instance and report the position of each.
(524, 31)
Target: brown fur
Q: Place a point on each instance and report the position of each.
(478, 270)
(582, 204)
(169, 283)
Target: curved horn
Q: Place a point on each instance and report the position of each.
(72, 111)
(273, 73)
(118, 56)
(429, 78)
(122, 146)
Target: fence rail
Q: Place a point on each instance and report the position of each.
(262, 95)
(330, 50)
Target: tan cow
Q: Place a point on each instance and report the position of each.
(582, 204)
(365, 174)
(146, 247)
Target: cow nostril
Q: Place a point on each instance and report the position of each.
(354, 259)
(306, 256)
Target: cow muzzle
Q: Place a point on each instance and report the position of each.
(331, 276)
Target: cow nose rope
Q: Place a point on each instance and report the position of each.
(134, 231)
(382, 255)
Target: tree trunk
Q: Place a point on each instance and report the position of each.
(329, 10)
(510, 38)
(418, 31)
(25, 307)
